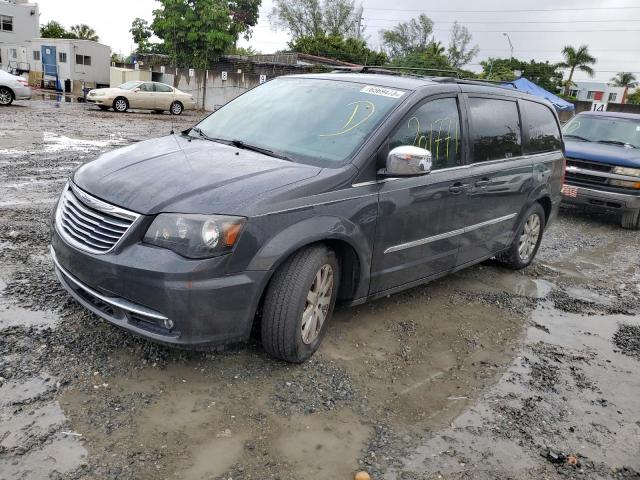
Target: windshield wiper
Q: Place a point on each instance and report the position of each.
(577, 136)
(617, 142)
(255, 148)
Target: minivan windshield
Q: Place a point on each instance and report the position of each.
(321, 122)
(604, 129)
(130, 85)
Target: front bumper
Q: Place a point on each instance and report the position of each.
(603, 199)
(22, 93)
(100, 100)
(159, 295)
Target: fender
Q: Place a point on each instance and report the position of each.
(312, 230)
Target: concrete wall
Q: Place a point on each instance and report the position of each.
(26, 22)
(209, 89)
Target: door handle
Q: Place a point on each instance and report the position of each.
(483, 183)
(458, 187)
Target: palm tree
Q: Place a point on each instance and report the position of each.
(626, 80)
(84, 32)
(435, 49)
(580, 59)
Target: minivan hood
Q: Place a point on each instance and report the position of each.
(173, 174)
(603, 153)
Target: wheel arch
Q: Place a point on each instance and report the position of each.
(13, 94)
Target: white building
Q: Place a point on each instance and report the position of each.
(19, 21)
(601, 92)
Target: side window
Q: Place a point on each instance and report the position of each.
(495, 129)
(160, 87)
(146, 87)
(435, 125)
(541, 127)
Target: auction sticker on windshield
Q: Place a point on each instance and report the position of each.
(383, 92)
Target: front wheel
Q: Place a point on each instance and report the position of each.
(527, 240)
(6, 96)
(121, 104)
(631, 219)
(299, 304)
(176, 108)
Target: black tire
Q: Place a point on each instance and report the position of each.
(6, 96)
(176, 108)
(104, 108)
(286, 300)
(631, 219)
(121, 104)
(512, 257)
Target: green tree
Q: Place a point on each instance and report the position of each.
(141, 33)
(84, 32)
(460, 51)
(634, 98)
(626, 80)
(53, 29)
(424, 59)
(317, 18)
(350, 50)
(197, 32)
(408, 37)
(579, 59)
(545, 74)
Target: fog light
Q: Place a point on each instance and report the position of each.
(168, 324)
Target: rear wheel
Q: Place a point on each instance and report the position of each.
(631, 219)
(176, 108)
(121, 104)
(527, 240)
(299, 303)
(6, 96)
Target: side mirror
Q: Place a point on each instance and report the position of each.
(136, 90)
(407, 161)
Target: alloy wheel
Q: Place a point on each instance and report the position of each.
(176, 109)
(317, 304)
(121, 105)
(5, 96)
(529, 237)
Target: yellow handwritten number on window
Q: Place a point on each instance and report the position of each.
(353, 121)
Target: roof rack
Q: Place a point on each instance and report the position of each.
(474, 81)
(394, 70)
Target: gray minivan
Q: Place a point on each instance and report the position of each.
(304, 191)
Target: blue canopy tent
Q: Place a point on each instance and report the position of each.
(528, 86)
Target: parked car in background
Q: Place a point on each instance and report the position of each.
(139, 95)
(603, 163)
(305, 191)
(13, 87)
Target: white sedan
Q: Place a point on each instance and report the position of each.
(154, 96)
(13, 88)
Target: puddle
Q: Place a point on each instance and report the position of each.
(491, 432)
(322, 447)
(11, 316)
(54, 142)
(25, 391)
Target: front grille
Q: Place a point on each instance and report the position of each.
(91, 224)
(585, 178)
(600, 167)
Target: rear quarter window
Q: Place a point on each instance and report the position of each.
(541, 129)
(495, 129)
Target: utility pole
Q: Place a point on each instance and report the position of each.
(510, 44)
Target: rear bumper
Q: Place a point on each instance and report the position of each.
(158, 295)
(603, 199)
(22, 93)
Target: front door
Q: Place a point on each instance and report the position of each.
(502, 177)
(419, 218)
(49, 60)
(143, 96)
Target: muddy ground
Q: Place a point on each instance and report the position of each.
(486, 374)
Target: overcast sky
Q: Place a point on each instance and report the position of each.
(537, 29)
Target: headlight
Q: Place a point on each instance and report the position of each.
(633, 172)
(195, 236)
